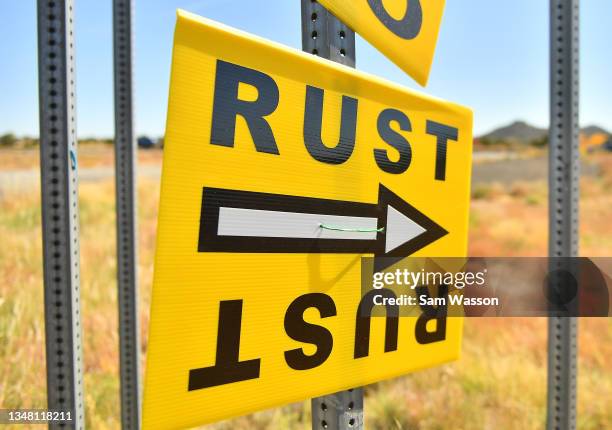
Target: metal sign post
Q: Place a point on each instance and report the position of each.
(60, 214)
(326, 36)
(127, 257)
(563, 183)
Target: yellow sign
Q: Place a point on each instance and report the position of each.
(280, 171)
(405, 31)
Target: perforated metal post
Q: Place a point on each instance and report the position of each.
(324, 35)
(563, 201)
(60, 210)
(127, 260)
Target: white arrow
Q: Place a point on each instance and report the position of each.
(241, 221)
(262, 223)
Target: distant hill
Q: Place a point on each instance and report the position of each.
(522, 132)
(518, 131)
(591, 130)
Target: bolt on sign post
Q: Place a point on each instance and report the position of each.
(60, 214)
(254, 303)
(406, 31)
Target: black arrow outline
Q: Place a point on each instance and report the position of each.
(215, 198)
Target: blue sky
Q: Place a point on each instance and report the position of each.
(492, 56)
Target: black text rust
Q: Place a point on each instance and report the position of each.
(228, 367)
(227, 106)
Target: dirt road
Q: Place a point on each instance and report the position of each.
(506, 171)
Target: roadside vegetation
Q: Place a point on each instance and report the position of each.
(499, 383)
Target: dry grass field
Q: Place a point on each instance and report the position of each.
(499, 383)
